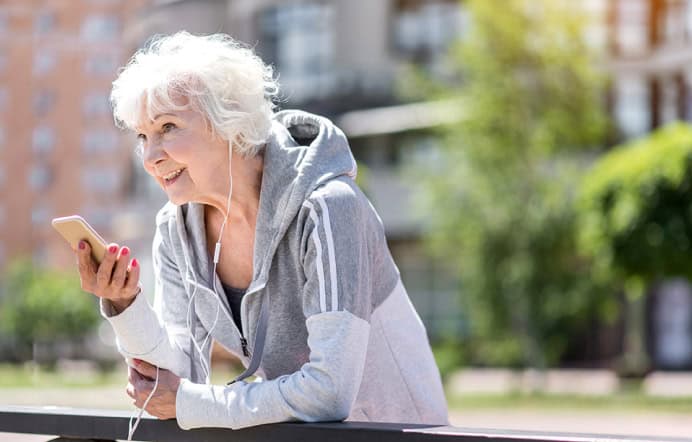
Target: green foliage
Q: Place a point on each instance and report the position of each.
(363, 175)
(501, 195)
(449, 355)
(40, 305)
(635, 208)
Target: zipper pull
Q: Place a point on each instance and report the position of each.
(243, 343)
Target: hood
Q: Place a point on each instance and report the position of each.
(303, 151)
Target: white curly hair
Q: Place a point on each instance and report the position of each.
(222, 80)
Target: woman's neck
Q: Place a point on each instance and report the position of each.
(247, 182)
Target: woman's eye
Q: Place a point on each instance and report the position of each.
(167, 127)
(141, 138)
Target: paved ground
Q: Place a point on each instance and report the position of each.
(580, 421)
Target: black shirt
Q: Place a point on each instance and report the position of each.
(235, 296)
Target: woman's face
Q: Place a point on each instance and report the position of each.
(179, 151)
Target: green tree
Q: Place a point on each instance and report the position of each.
(43, 306)
(501, 194)
(635, 208)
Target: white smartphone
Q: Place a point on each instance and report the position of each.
(75, 228)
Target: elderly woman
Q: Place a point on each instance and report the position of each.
(267, 247)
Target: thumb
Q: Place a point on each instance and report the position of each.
(145, 369)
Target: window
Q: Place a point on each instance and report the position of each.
(671, 324)
(40, 215)
(99, 217)
(44, 23)
(685, 86)
(40, 177)
(423, 30)
(43, 139)
(433, 287)
(632, 112)
(39, 255)
(43, 102)
(101, 180)
(96, 104)
(101, 64)
(669, 100)
(100, 28)
(631, 30)
(422, 151)
(44, 61)
(674, 22)
(99, 140)
(596, 27)
(298, 38)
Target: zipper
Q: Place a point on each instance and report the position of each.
(243, 340)
(243, 314)
(243, 343)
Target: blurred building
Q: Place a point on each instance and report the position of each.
(341, 59)
(650, 42)
(59, 151)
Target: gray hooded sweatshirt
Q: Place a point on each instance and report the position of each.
(343, 340)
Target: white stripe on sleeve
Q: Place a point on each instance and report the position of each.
(330, 251)
(318, 259)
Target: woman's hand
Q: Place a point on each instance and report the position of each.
(116, 279)
(140, 383)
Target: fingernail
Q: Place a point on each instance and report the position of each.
(81, 245)
(137, 361)
(134, 263)
(113, 249)
(125, 251)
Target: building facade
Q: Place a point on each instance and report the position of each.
(342, 59)
(650, 47)
(59, 151)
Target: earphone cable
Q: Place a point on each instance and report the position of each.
(133, 428)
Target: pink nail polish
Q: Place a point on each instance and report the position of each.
(134, 263)
(126, 251)
(113, 249)
(81, 245)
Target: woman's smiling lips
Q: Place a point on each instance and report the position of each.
(172, 177)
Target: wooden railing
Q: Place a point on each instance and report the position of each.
(68, 424)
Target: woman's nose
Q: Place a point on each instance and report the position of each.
(152, 154)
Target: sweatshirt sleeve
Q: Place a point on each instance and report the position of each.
(336, 303)
(158, 334)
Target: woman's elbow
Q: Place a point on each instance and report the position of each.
(331, 404)
(335, 409)
(340, 408)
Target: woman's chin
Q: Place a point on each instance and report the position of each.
(178, 200)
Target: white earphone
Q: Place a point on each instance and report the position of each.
(206, 369)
